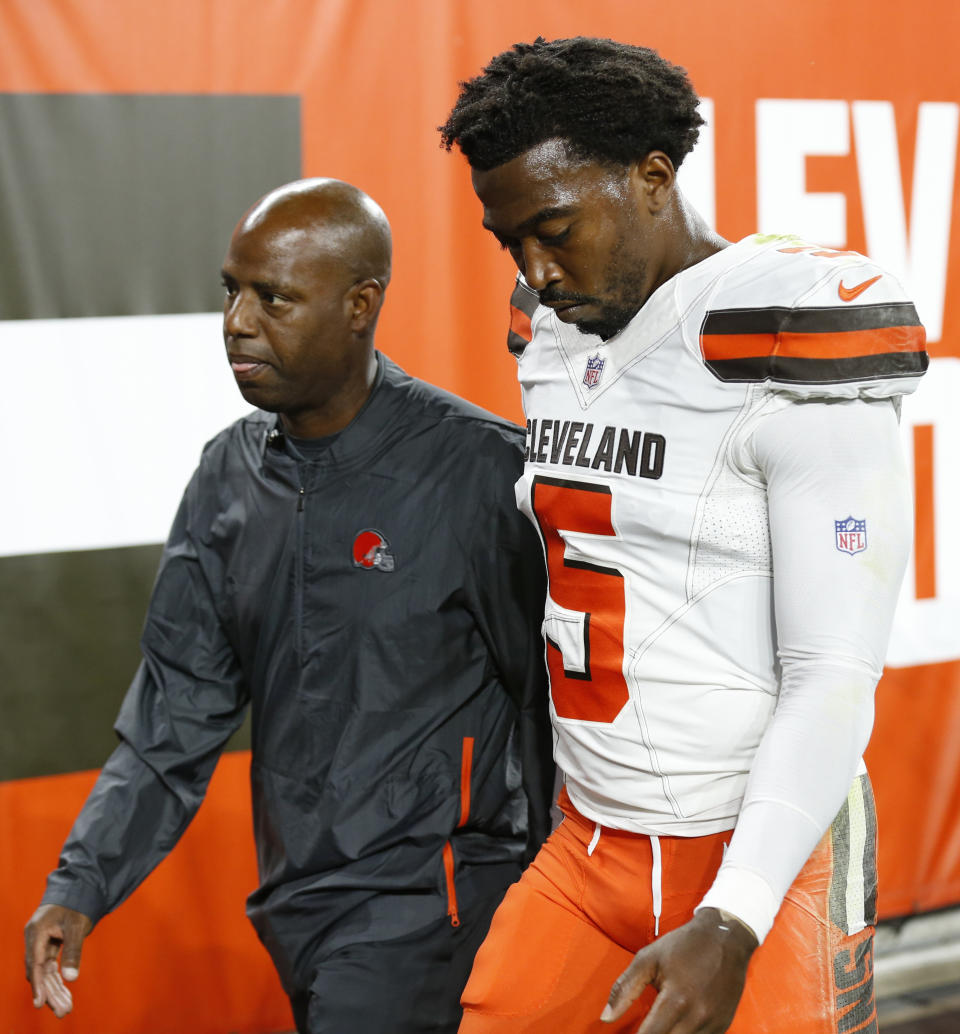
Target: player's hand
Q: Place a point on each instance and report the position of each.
(698, 970)
(54, 930)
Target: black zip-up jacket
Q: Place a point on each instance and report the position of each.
(400, 739)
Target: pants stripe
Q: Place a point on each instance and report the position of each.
(857, 825)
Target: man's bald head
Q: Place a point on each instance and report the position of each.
(330, 217)
(304, 279)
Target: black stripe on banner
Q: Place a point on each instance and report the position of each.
(117, 205)
(794, 370)
(70, 628)
(824, 320)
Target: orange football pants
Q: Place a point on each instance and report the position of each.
(572, 924)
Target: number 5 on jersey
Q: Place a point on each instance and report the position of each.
(592, 687)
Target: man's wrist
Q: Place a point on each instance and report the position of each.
(728, 919)
(728, 929)
(745, 894)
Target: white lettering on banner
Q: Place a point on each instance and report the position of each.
(787, 131)
(926, 631)
(920, 260)
(697, 175)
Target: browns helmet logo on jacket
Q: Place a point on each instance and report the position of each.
(371, 550)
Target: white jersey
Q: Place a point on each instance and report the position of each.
(649, 477)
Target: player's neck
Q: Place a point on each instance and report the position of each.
(697, 240)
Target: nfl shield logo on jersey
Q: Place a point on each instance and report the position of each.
(851, 535)
(594, 370)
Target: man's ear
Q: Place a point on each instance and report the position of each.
(653, 179)
(363, 302)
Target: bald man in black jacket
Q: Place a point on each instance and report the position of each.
(350, 563)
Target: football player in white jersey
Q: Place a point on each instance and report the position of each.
(713, 464)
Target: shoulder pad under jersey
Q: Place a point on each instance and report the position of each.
(523, 304)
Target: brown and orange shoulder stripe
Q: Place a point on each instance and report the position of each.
(815, 345)
(523, 304)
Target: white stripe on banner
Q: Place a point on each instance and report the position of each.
(927, 631)
(102, 422)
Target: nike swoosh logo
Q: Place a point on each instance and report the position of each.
(847, 294)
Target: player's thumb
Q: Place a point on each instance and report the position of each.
(628, 987)
(74, 931)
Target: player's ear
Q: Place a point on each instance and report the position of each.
(652, 179)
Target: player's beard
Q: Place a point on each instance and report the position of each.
(624, 294)
(612, 320)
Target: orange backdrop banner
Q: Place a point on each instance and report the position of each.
(179, 956)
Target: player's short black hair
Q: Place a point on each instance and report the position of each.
(611, 103)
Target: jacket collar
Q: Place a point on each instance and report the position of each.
(378, 419)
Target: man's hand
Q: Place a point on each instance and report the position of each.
(698, 970)
(52, 929)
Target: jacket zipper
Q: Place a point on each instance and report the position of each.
(466, 767)
(299, 576)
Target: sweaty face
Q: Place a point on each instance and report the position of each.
(579, 232)
(286, 325)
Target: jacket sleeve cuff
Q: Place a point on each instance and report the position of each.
(745, 894)
(73, 893)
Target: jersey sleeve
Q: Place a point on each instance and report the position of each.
(840, 530)
(185, 700)
(815, 323)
